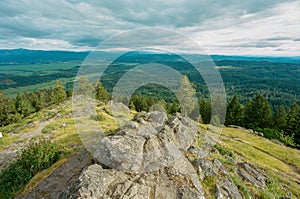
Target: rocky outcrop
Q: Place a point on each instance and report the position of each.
(151, 157)
(150, 142)
(252, 175)
(225, 187)
(169, 183)
(146, 159)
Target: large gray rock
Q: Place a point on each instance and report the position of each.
(225, 187)
(169, 183)
(145, 159)
(148, 143)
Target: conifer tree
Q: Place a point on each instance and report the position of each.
(101, 94)
(258, 113)
(205, 110)
(293, 122)
(23, 105)
(59, 93)
(280, 118)
(7, 110)
(235, 113)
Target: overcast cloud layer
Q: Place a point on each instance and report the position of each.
(269, 27)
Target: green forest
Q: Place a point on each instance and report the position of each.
(282, 123)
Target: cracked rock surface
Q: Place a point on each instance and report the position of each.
(145, 160)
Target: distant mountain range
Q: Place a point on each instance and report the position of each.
(42, 56)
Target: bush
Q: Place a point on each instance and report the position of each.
(224, 151)
(278, 135)
(38, 155)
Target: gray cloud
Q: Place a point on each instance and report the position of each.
(279, 38)
(77, 24)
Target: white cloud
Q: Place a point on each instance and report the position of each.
(269, 27)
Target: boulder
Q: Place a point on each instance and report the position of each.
(173, 182)
(225, 187)
(147, 145)
(143, 159)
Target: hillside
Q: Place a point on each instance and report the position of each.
(241, 164)
(277, 78)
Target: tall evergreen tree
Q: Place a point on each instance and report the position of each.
(101, 94)
(7, 110)
(59, 94)
(258, 113)
(293, 122)
(280, 118)
(205, 110)
(23, 105)
(186, 96)
(235, 113)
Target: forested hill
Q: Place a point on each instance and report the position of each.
(36, 56)
(277, 78)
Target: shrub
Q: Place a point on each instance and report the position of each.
(209, 184)
(39, 154)
(278, 135)
(224, 151)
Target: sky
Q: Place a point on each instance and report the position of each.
(230, 27)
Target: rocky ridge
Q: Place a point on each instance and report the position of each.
(155, 157)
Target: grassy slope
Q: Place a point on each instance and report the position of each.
(281, 163)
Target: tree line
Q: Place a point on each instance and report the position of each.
(256, 114)
(14, 109)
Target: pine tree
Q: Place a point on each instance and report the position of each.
(186, 96)
(23, 105)
(293, 122)
(101, 94)
(258, 113)
(235, 113)
(280, 118)
(7, 110)
(59, 94)
(173, 107)
(205, 110)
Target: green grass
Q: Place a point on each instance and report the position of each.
(7, 140)
(39, 154)
(241, 186)
(278, 161)
(209, 185)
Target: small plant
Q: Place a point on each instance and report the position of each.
(38, 155)
(199, 141)
(241, 186)
(224, 151)
(209, 184)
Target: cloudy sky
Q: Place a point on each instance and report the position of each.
(236, 27)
